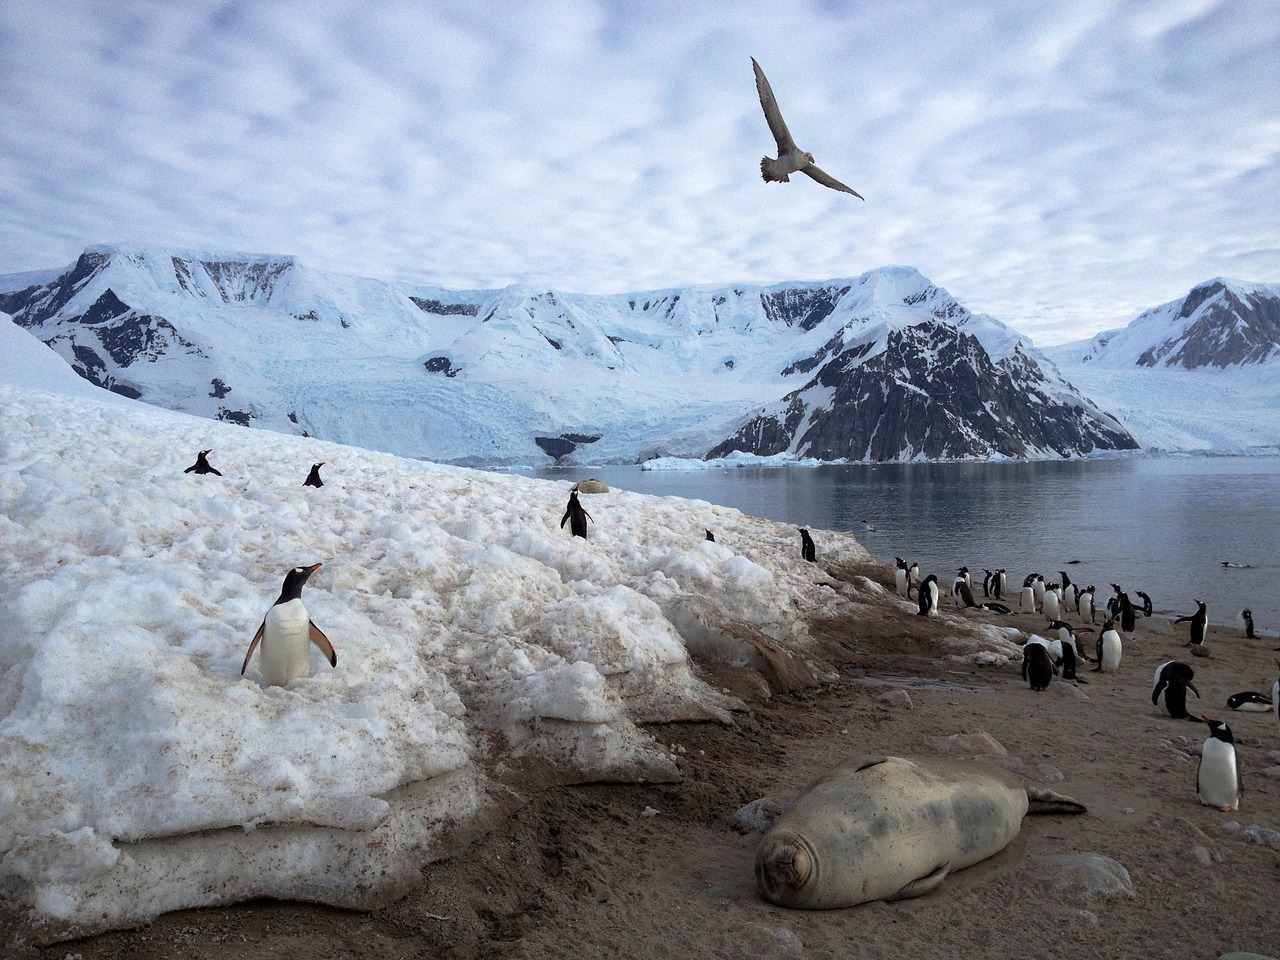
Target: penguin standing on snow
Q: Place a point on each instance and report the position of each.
(1108, 650)
(313, 478)
(202, 464)
(807, 550)
(1218, 776)
(710, 536)
(901, 578)
(287, 633)
(1199, 624)
(575, 514)
(1173, 678)
(928, 594)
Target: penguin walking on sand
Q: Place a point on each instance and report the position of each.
(575, 514)
(1199, 624)
(287, 633)
(1246, 620)
(1108, 649)
(1084, 605)
(807, 550)
(928, 596)
(202, 464)
(1173, 679)
(313, 478)
(1124, 611)
(1038, 667)
(1218, 776)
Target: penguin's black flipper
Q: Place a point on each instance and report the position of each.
(257, 637)
(321, 641)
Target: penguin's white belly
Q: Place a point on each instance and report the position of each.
(285, 651)
(1050, 605)
(1028, 600)
(1217, 779)
(1110, 657)
(1086, 607)
(933, 599)
(901, 582)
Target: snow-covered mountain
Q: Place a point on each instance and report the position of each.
(525, 376)
(1198, 374)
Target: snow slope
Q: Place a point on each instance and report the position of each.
(140, 772)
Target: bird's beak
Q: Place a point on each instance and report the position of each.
(313, 568)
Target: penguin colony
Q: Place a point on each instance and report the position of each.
(1218, 778)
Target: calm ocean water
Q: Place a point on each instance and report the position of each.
(1163, 526)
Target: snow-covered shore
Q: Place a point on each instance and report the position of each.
(140, 772)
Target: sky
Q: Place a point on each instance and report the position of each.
(1061, 166)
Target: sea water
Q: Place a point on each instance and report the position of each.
(1164, 526)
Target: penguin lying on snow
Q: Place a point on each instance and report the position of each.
(286, 634)
(1218, 776)
(202, 466)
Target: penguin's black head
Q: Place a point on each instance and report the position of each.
(1219, 730)
(294, 581)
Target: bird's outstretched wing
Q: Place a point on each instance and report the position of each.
(321, 641)
(256, 638)
(771, 113)
(829, 181)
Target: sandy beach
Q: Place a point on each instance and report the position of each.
(619, 871)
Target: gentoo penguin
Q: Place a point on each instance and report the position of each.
(964, 594)
(1124, 609)
(1038, 587)
(1027, 601)
(1108, 650)
(807, 549)
(987, 576)
(1085, 604)
(1199, 624)
(1249, 702)
(1173, 678)
(1246, 618)
(995, 607)
(1063, 654)
(1275, 697)
(1037, 665)
(1146, 604)
(1067, 634)
(313, 478)
(928, 595)
(1001, 583)
(913, 578)
(1218, 776)
(710, 536)
(1050, 606)
(202, 464)
(575, 514)
(286, 633)
(961, 583)
(901, 577)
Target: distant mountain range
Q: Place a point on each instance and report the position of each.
(881, 367)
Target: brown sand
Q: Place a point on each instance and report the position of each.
(581, 871)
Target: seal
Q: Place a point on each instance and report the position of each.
(892, 828)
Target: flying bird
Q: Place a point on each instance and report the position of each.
(791, 159)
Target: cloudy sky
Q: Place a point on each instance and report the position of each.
(1059, 165)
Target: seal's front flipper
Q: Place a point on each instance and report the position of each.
(1042, 800)
(918, 888)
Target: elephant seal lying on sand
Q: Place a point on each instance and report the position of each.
(889, 829)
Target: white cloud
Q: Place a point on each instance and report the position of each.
(1060, 166)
